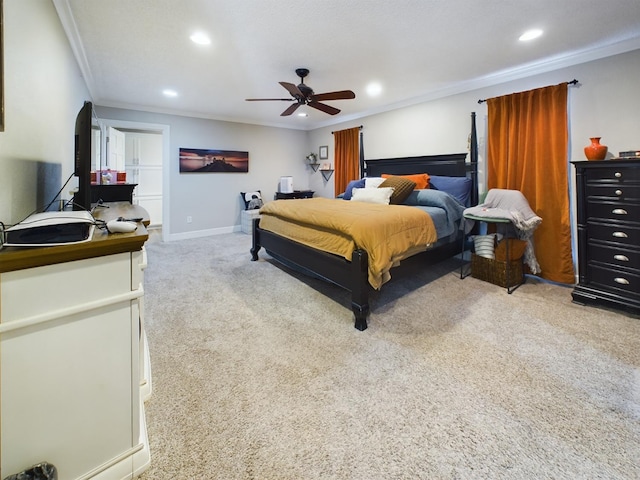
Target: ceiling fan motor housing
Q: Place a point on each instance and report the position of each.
(304, 89)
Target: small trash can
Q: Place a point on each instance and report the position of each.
(41, 471)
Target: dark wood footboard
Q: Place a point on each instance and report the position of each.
(352, 276)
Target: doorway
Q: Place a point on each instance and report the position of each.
(141, 150)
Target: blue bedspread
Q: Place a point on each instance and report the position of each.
(444, 209)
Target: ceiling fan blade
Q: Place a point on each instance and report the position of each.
(290, 110)
(269, 99)
(325, 108)
(293, 89)
(339, 95)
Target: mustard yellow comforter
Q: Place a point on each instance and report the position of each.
(388, 233)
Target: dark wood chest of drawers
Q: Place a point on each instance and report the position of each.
(608, 218)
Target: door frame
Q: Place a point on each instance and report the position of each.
(165, 131)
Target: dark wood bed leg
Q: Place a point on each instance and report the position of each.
(361, 313)
(255, 245)
(360, 288)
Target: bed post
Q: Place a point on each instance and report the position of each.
(255, 242)
(360, 288)
(473, 161)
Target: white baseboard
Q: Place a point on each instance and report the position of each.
(201, 233)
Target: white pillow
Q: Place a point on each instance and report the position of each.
(485, 245)
(372, 195)
(373, 182)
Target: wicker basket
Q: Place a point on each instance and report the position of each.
(495, 272)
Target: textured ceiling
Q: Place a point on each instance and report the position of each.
(130, 50)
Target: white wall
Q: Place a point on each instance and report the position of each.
(212, 200)
(604, 104)
(43, 92)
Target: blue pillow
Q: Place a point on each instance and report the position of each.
(458, 187)
(351, 185)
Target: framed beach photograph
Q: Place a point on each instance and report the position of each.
(324, 152)
(195, 160)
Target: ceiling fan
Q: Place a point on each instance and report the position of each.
(303, 95)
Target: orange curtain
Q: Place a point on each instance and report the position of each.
(527, 151)
(347, 166)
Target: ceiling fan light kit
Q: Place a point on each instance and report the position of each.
(302, 94)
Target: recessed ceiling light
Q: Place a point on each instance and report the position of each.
(200, 38)
(374, 89)
(169, 93)
(530, 35)
(303, 114)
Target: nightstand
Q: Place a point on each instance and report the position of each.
(294, 194)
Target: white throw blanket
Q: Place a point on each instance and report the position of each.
(513, 206)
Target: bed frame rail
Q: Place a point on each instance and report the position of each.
(352, 276)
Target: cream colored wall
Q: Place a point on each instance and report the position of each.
(603, 104)
(43, 92)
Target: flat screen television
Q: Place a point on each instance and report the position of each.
(82, 170)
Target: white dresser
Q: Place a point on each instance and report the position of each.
(74, 368)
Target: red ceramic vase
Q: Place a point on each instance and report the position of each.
(595, 151)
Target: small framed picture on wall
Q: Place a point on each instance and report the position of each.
(324, 152)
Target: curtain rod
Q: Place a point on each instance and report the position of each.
(360, 127)
(572, 82)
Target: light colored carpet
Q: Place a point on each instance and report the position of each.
(258, 373)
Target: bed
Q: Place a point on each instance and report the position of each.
(353, 274)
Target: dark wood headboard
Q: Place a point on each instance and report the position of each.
(451, 165)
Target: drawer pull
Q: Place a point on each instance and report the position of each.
(617, 174)
(622, 281)
(620, 234)
(619, 211)
(622, 258)
(618, 192)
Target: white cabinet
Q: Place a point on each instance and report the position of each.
(143, 154)
(71, 349)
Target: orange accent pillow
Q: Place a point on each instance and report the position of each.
(420, 179)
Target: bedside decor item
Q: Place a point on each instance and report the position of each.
(252, 200)
(324, 152)
(632, 154)
(595, 150)
(285, 185)
(312, 158)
